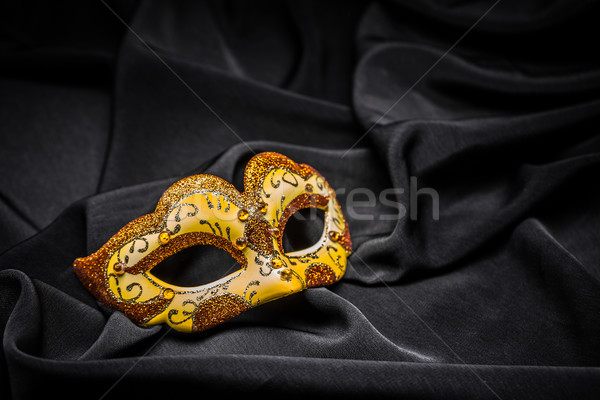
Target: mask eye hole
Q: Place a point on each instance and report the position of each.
(303, 229)
(195, 266)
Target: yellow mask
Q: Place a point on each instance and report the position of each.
(206, 210)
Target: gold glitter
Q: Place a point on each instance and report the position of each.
(168, 294)
(285, 274)
(243, 215)
(257, 235)
(217, 310)
(275, 263)
(319, 275)
(164, 237)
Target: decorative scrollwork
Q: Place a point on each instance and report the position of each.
(281, 204)
(253, 293)
(307, 258)
(320, 181)
(112, 276)
(274, 185)
(265, 273)
(187, 314)
(189, 213)
(338, 223)
(129, 288)
(287, 177)
(294, 183)
(133, 243)
(124, 259)
(205, 222)
(284, 260)
(336, 260)
(208, 202)
(219, 228)
(132, 248)
(267, 195)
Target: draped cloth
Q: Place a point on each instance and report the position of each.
(495, 107)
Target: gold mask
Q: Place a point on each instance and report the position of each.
(206, 210)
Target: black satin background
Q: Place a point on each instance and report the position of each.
(499, 298)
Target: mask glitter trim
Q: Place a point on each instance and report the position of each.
(207, 210)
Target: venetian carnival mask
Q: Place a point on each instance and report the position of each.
(206, 210)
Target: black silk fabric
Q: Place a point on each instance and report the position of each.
(497, 298)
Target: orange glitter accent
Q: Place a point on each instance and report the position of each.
(257, 234)
(96, 282)
(217, 310)
(319, 275)
(344, 240)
